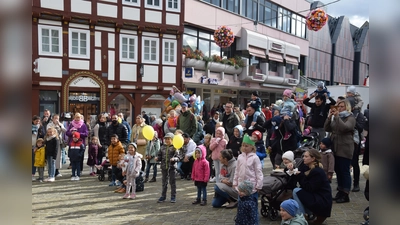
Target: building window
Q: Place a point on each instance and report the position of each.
(173, 5)
(289, 68)
(273, 66)
(79, 42)
(150, 50)
(169, 55)
(50, 40)
(128, 48)
(131, 2)
(154, 4)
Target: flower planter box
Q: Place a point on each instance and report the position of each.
(216, 67)
(212, 66)
(197, 64)
(232, 70)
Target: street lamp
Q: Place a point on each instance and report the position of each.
(141, 70)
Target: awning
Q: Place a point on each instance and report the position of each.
(275, 56)
(259, 52)
(292, 60)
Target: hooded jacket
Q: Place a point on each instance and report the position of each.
(134, 165)
(39, 157)
(218, 144)
(114, 151)
(236, 142)
(166, 153)
(76, 150)
(201, 168)
(248, 167)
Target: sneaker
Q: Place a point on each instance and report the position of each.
(152, 180)
(76, 178)
(145, 180)
(133, 196)
(251, 128)
(126, 196)
(99, 167)
(41, 181)
(117, 183)
(203, 203)
(51, 179)
(72, 178)
(197, 201)
(161, 199)
(182, 177)
(92, 174)
(287, 136)
(33, 178)
(173, 200)
(212, 180)
(59, 175)
(112, 184)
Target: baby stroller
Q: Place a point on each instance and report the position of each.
(310, 140)
(103, 171)
(276, 188)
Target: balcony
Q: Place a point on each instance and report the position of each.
(212, 66)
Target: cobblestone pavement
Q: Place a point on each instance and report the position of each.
(91, 201)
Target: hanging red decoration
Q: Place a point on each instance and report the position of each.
(316, 19)
(223, 37)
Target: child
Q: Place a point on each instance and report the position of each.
(40, 161)
(172, 121)
(114, 151)
(275, 121)
(134, 164)
(200, 174)
(288, 107)
(288, 158)
(75, 153)
(52, 143)
(289, 213)
(256, 136)
(327, 158)
(152, 149)
(207, 141)
(256, 104)
(351, 92)
(249, 168)
(217, 145)
(247, 206)
(220, 124)
(236, 140)
(92, 154)
(168, 156)
(321, 90)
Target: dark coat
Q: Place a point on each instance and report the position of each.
(231, 122)
(258, 126)
(209, 127)
(316, 192)
(279, 145)
(234, 144)
(318, 118)
(92, 154)
(119, 130)
(52, 147)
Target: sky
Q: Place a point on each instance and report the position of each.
(356, 10)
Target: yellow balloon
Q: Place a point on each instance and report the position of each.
(177, 141)
(148, 132)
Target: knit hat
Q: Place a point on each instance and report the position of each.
(351, 89)
(221, 129)
(258, 134)
(134, 145)
(247, 140)
(76, 135)
(290, 206)
(246, 187)
(169, 135)
(327, 142)
(255, 93)
(240, 128)
(288, 155)
(184, 104)
(320, 85)
(287, 92)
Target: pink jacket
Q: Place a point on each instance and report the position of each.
(248, 167)
(201, 168)
(217, 145)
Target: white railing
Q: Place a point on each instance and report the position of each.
(306, 82)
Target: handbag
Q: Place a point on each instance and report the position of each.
(141, 142)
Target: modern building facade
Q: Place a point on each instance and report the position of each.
(106, 55)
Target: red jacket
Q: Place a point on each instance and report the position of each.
(201, 168)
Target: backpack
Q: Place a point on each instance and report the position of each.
(139, 183)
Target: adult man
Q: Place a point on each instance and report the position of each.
(185, 165)
(319, 113)
(46, 117)
(125, 123)
(209, 128)
(259, 123)
(118, 129)
(152, 120)
(187, 122)
(146, 118)
(229, 119)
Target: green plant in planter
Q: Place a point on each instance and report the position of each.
(207, 59)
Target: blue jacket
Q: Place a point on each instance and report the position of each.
(76, 150)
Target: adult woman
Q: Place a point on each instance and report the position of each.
(78, 125)
(224, 192)
(341, 123)
(37, 132)
(56, 124)
(314, 195)
(138, 138)
(240, 114)
(100, 131)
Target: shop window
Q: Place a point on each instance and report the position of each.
(120, 104)
(48, 100)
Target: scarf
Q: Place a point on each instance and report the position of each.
(344, 114)
(35, 128)
(77, 125)
(48, 138)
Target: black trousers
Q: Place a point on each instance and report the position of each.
(355, 165)
(187, 166)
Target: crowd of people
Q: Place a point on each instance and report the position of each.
(228, 149)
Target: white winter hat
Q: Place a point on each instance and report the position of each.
(351, 89)
(288, 155)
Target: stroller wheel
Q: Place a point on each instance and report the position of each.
(366, 213)
(101, 178)
(109, 178)
(273, 214)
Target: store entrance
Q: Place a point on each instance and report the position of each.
(88, 110)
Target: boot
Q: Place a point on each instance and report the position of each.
(356, 188)
(203, 203)
(344, 198)
(337, 196)
(146, 179)
(318, 221)
(197, 201)
(152, 180)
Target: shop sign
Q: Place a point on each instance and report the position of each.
(84, 98)
(189, 72)
(84, 82)
(205, 80)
